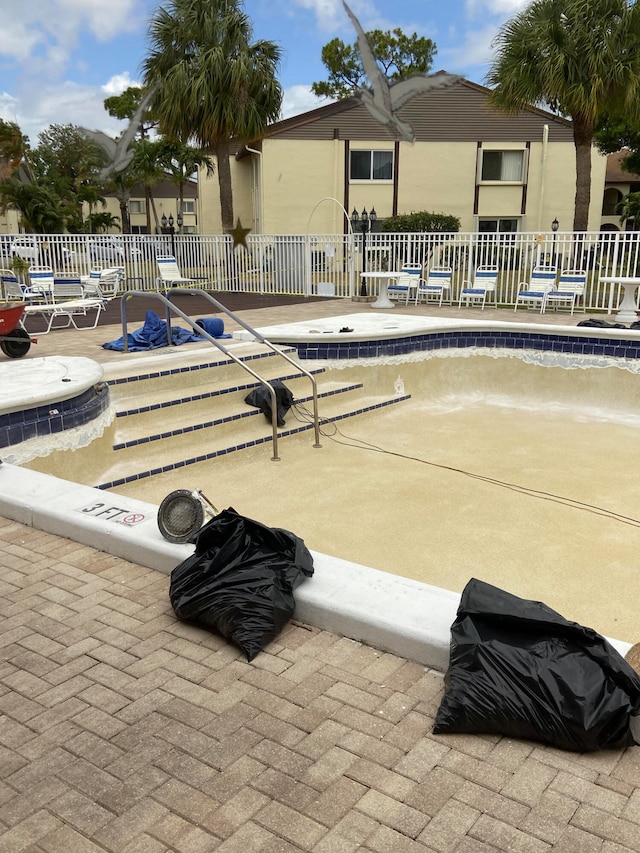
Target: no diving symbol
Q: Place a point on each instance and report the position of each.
(133, 518)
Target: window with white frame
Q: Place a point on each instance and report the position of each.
(371, 165)
(188, 206)
(137, 205)
(502, 166)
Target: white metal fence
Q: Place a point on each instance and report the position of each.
(330, 264)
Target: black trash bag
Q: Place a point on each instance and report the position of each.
(261, 399)
(240, 580)
(517, 668)
(596, 323)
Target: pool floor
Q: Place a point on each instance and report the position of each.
(443, 526)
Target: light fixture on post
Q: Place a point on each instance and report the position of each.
(179, 223)
(172, 232)
(554, 227)
(363, 222)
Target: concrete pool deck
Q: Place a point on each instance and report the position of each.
(128, 731)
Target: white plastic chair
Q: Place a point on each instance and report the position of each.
(484, 281)
(103, 283)
(40, 283)
(571, 287)
(536, 290)
(437, 282)
(170, 275)
(406, 284)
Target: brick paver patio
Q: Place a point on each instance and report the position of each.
(125, 730)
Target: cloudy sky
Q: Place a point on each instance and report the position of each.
(59, 59)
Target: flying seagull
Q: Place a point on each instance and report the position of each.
(384, 100)
(118, 151)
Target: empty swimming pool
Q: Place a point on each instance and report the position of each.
(471, 478)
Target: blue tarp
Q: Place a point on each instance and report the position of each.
(153, 335)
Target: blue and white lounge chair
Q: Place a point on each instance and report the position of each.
(571, 287)
(437, 283)
(40, 283)
(170, 275)
(476, 289)
(405, 285)
(536, 290)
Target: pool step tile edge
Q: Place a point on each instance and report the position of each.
(226, 419)
(394, 614)
(247, 444)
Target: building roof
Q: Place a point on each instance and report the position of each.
(459, 113)
(615, 174)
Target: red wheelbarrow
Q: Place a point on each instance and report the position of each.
(14, 340)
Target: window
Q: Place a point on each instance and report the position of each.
(497, 226)
(612, 197)
(137, 205)
(371, 166)
(188, 229)
(502, 166)
(189, 206)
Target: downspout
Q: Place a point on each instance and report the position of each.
(543, 171)
(260, 187)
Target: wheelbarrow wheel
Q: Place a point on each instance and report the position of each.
(17, 344)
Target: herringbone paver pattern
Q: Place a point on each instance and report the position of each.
(124, 730)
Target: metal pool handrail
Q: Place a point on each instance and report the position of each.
(170, 307)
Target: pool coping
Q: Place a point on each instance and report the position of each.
(391, 613)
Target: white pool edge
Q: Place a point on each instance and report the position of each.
(388, 612)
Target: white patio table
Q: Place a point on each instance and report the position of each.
(627, 310)
(384, 277)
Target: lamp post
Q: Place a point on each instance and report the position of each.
(170, 229)
(363, 222)
(554, 227)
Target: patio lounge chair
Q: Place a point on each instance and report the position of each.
(40, 283)
(570, 288)
(170, 275)
(536, 290)
(438, 281)
(483, 282)
(66, 302)
(405, 286)
(103, 283)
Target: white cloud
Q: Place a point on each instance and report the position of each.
(118, 83)
(45, 31)
(300, 99)
(69, 103)
(329, 13)
(502, 9)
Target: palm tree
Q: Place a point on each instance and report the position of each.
(149, 170)
(629, 209)
(180, 162)
(577, 56)
(92, 196)
(41, 211)
(215, 86)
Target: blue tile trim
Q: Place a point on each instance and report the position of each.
(460, 339)
(219, 421)
(206, 395)
(223, 362)
(16, 427)
(143, 475)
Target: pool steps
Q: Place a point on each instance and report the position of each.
(160, 428)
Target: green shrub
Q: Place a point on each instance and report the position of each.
(421, 221)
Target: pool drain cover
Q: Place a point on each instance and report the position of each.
(180, 515)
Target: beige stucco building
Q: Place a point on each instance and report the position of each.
(493, 171)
